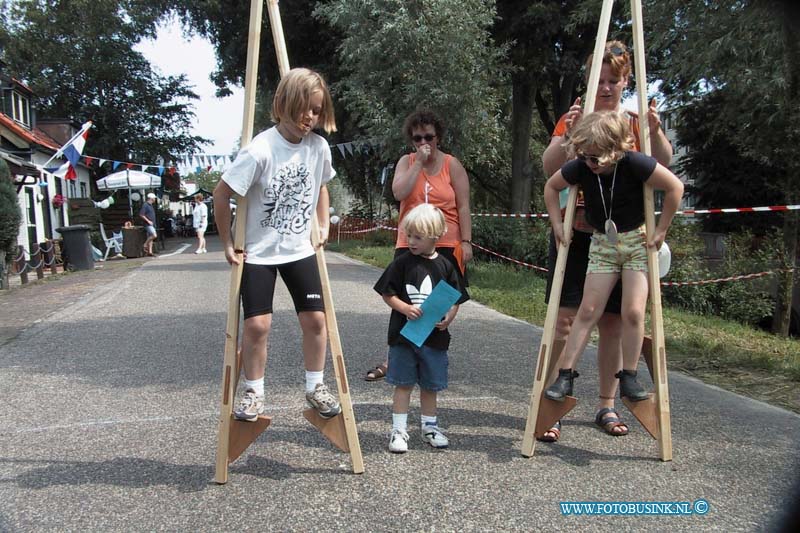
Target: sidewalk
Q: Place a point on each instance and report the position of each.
(111, 400)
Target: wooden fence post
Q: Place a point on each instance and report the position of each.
(49, 253)
(21, 265)
(38, 258)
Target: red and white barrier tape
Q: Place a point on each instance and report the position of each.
(663, 283)
(720, 280)
(528, 265)
(713, 211)
(359, 231)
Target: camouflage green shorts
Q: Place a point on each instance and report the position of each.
(629, 253)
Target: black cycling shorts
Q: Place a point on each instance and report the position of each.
(301, 278)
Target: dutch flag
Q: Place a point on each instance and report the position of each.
(72, 151)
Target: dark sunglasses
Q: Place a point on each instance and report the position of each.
(616, 50)
(583, 157)
(428, 137)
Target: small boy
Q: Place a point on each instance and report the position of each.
(404, 286)
(611, 176)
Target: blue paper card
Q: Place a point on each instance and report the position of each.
(440, 300)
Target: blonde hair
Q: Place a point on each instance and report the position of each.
(617, 56)
(609, 132)
(427, 220)
(294, 93)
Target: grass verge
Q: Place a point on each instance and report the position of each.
(727, 354)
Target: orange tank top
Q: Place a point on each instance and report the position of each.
(437, 190)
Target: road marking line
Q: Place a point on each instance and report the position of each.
(176, 252)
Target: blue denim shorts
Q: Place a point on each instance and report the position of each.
(409, 365)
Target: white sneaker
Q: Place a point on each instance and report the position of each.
(198, 251)
(250, 406)
(398, 441)
(323, 401)
(205, 251)
(434, 436)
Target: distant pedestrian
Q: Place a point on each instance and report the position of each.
(148, 215)
(404, 286)
(283, 174)
(200, 222)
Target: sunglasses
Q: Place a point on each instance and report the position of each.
(616, 50)
(583, 157)
(428, 137)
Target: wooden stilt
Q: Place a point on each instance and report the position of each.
(551, 412)
(243, 434)
(645, 413)
(647, 353)
(546, 348)
(340, 430)
(658, 365)
(234, 437)
(333, 428)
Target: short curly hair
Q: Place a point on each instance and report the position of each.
(420, 118)
(607, 131)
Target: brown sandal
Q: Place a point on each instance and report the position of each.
(610, 423)
(377, 373)
(556, 433)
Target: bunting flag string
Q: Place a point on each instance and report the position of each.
(192, 163)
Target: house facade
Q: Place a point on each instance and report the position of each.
(26, 145)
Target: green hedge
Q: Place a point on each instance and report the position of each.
(10, 215)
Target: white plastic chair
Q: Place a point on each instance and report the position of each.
(114, 242)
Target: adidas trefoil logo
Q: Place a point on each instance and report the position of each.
(418, 296)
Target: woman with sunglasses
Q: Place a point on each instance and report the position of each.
(430, 176)
(614, 75)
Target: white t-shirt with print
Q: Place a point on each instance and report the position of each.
(281, 182)
(200, 216)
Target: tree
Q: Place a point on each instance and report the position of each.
(544, 59)
(310, 42)
(78, 58)
(10, 219)
(744, 51)
(205, 179)
(398, 55)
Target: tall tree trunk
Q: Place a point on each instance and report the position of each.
(790, 14)
(521, 165)
(781, 320)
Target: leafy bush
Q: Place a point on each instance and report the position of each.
(522, 239)
(745, 301)
(10, 215)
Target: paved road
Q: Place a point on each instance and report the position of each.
(108, 422)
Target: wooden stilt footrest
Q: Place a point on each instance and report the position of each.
(332, 428)
(645, 413)
(551, 412)
(647, 353)
(243, 434)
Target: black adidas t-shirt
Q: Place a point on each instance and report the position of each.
(628, 208)
(412, 278)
